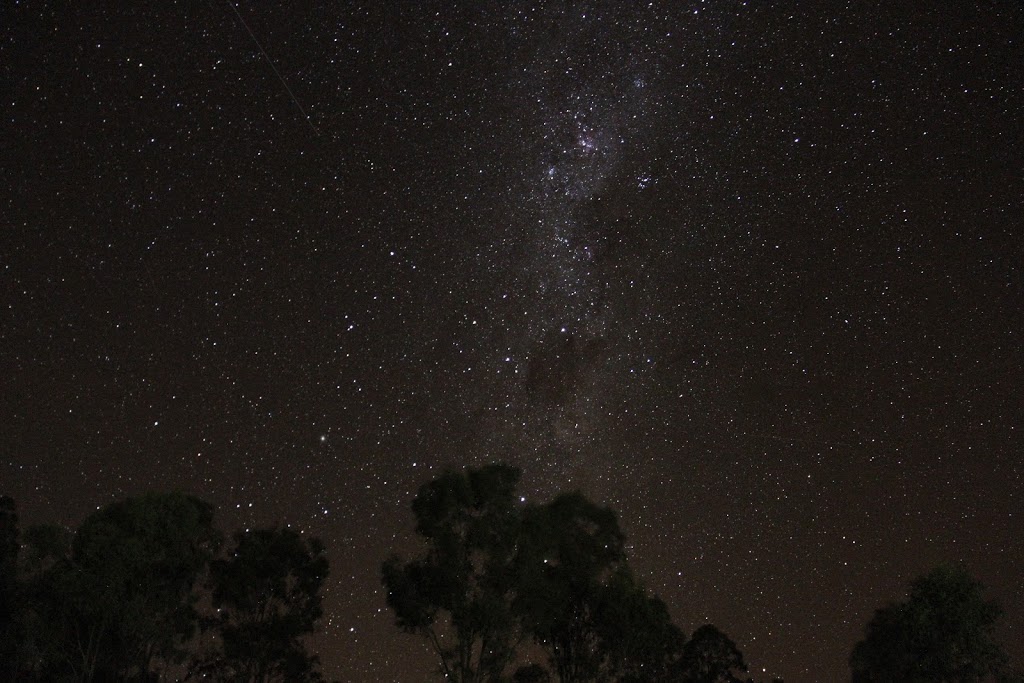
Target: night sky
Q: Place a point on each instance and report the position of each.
(750, 273)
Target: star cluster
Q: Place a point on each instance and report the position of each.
(751, 275)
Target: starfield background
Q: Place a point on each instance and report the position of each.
(749, 273)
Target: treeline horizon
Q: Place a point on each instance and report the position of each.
(148, 589)
(497, 574)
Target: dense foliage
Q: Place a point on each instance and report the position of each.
(497, 576)
(118, 598)
(944, 632)
(148, 589)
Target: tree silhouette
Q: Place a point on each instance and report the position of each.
(496, 572)
(570, 548)
(942, 633)
(267, 595)
(9, 545)
(636, 634)
(710, 656)
(42, 617)
(459, 595)
(116, 600)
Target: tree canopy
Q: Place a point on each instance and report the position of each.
(496, 573)
(119, 598)
(147, 589)
(570, 547)
(463, 585)
(943, 632)
(9, 547)
(123, 596)
(267, 595)
(710, 656)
